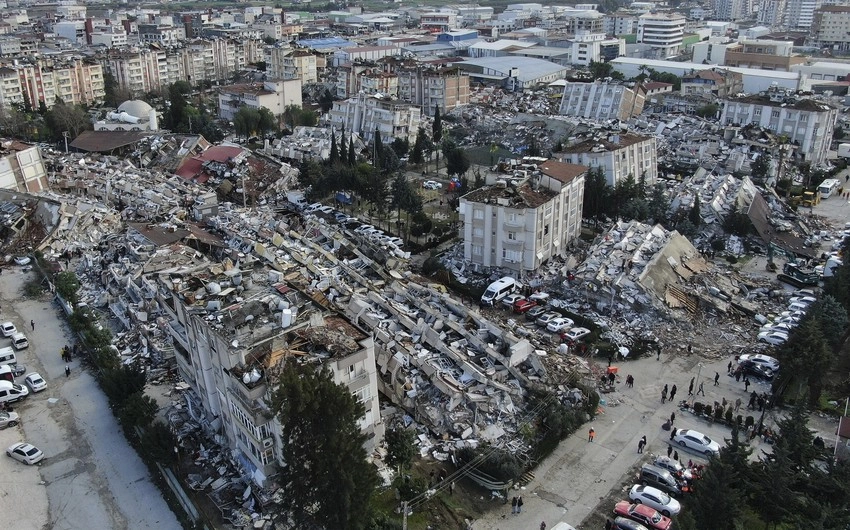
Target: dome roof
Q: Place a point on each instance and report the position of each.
(136, 107)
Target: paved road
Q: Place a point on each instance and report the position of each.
(91, 477)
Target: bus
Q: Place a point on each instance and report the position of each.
(828, 187)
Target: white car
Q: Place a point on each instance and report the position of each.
(544, 319)
(656, 499)
(22, 260)
(784, 327)
(26, 453)
(364, 228)
(758, 358)
(35, 382)
(803, 300)
(432, 185)
(511, 299)
(798, 306)
(697, 441)
(8, 329)
(559, 324)
(575, 334)
(773, 337)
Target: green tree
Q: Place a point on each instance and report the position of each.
(457, 162)
(137, 410)
(717, 501)
(708, 111)
(694, 215)
(659, 204)
(120, 383)
(760, 168)
(600, 70)
(326, 101)
(343, 147)
(806, 358)
(176, 117)
(401, 447)
(334, 155)
(417, 156)
(738, 223)
(437, 133)
(68, 287)
(831, 317)
(71, 118)
(401, 146)
(110, 90)
(596, 193)
(352, 154)
(328, 480)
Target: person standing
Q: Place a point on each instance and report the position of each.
(641, 444)
(519, 505)
(514, 505)
(672, 418)
(664, 394)
(590, 434)
(737, 404)
(669, 450)
(691, 387)
(543, 525)
(746, 384)
(67, 371)
(676, 456)
(729, 368)
(672, 393)
(716, 378)
(32, 323)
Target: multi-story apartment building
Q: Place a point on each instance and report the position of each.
(74, 82)
(663, 31)
(584, 21)
(808, 124)
(161, 34)
(10, 45)
(620, 23)
(21, 167)
(111, 36)
(520, 223)
(719, 82)
(232, 362)
(429, 88)
(831, 27)
(73, 30)
(438, 21)
(800, 14)
(601, 101)
(272, 95)
(363, 114)
(286, 63)
(731, 9)
(374, 81)
(763, 55)
(619, 155)
(771, 13)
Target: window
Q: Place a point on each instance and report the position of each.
(478, 214)
(477, 250)
(512, 236)
(775, 113)
(545, 230)
(477, 232)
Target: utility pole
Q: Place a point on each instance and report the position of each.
(404, 516)
(65, 134)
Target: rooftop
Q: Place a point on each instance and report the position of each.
(809, 105)
(522, 196)
(606, 143)
(562, 171)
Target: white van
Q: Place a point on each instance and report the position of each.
(563, 526)
(498, 290)
(19, 341)
(828, 187)
(11, 392)
(7, 356)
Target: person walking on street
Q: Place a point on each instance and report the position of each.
(669, 450)
(519, 505)
(716, 378)
(67, 371)
(672, 418)
(514, 505)
(590, 434)
(737, 404)
(673, 393)
(673, 432)
(641, 444)
(664, 395)
(32, 323)
(701, 389)
(691, 387)
(543, 525)
(676, 456)
(746, 384)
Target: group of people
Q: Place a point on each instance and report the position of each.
(68, 352)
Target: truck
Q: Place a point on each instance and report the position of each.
(297, 198)
(844, 150)
(797, 276)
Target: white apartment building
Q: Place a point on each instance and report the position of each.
(521, 223)
(73, 30)
(662, 31)
(620, 23)
(272, 95)
(730, 9)
(287, 63)
(807, 123)
(10, 45)
(162, 35)
(231, 363)
(111, 36)
(22, 167)
(800, 14)
(771, 13)
(831, 27)
(619, 155)
(601, 101)
(588, 47)
(364, 113)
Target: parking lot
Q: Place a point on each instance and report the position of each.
(90, 476)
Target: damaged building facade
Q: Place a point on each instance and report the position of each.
(519, 221)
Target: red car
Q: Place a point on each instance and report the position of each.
(522, 305)
(643, 514)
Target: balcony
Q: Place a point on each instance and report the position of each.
(255, 408)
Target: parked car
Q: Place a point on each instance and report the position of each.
(803, 300)
(35, 382)
(544, 319)
(643, 514)
(8, 329)
(674, 467)
(759, 358)
(621, 523)
(696, 441)
(511, 299)
(432, 185)
(8, 419)
(534, 313)
(521, 306)
(26, 453)
(773, 337)
(575, 334)
(778, 326)
(22, 260)
(655, 498)
(540, 297)
(757, 370)
(797, 306)
(559, 324)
